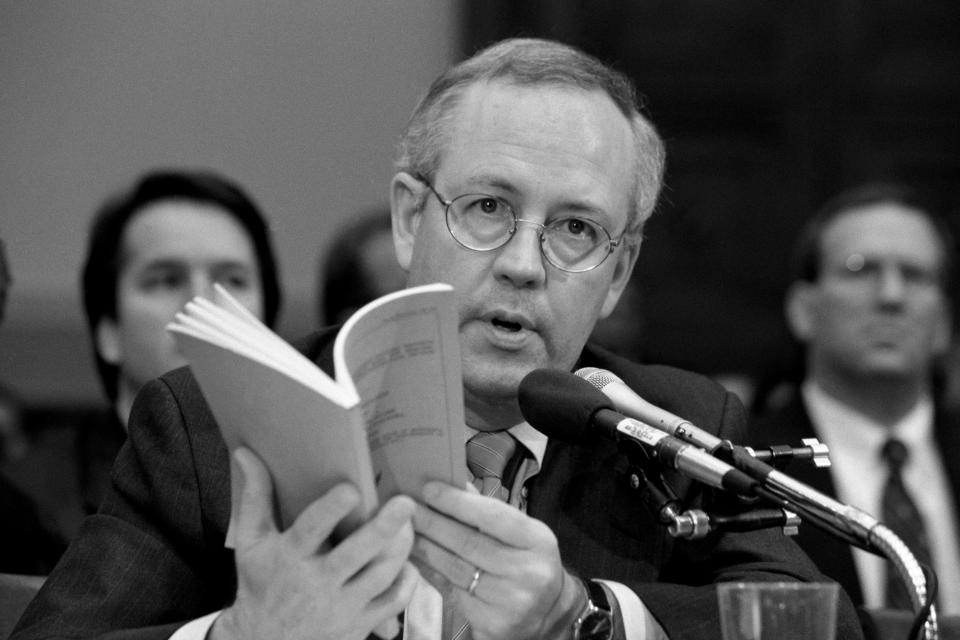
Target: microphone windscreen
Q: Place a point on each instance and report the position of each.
(559, 404)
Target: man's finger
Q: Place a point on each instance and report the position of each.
(372, 539)
(400, 592)
(255, 511)
(455, 571)
(380, 573)
(315, 524)
(493, 517)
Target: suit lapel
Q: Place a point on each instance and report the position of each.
(833, 556)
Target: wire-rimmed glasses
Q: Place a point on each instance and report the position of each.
(483, 222)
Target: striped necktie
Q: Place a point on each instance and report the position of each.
(488, 453)
(901, 515)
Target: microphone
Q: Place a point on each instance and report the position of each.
(627, 401)
(566, 407)
(845, 521)
(841, 520)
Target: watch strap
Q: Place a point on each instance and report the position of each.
(597, 595)
(595, 622)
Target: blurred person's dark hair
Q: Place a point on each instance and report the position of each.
(13, 442)
(31, 541)
(360, 265)
(6, 279)
(13, 439)
(104, 260)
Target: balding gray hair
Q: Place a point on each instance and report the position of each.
(531, 62)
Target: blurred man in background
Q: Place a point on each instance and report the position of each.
(29, 540)
(870, 304)
(360, 266)
(152, 247)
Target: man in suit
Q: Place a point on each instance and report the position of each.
(29, 540)
(360, 266)
(524, 178)
(870, 305)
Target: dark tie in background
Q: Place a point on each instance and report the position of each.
(488, 454)
(901, 515)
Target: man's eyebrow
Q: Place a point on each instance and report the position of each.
(232, 264)
(482, 181)
(163, 263)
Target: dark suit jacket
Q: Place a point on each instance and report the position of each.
(153, 557)
(787, 426)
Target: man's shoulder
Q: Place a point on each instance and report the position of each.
(685, 393)
(784, 417)
(646, 375)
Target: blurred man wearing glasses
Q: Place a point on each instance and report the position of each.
(524, 178)
(870, 304)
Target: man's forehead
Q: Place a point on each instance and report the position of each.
(554, 102)
(175, 229)
(563, 135)
(882, 229)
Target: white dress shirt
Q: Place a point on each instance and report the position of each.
(859, 473)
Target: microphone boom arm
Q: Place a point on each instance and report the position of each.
(846, 522)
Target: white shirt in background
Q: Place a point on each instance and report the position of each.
(859, 473)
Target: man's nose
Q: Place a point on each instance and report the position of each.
(521, 259)
(201, 284)
(892, 285)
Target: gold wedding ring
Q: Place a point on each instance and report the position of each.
(473, 583)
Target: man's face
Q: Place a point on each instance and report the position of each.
(878, 308)
(551, 153)
(172, 251)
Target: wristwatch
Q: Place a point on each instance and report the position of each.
(595, 622)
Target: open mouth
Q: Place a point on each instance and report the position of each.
(506, 325)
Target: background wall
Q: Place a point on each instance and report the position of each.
(768, 107)
(301, 102)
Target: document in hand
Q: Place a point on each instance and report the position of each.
(389, 420)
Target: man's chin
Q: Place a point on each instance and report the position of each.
(892, 367)
(498, 371)
(491, 400)
(494, 383)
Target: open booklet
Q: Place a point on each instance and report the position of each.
(390, 419)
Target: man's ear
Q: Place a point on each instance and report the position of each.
(405, 212)
(626, 259)
(107, 337)
(799, 308)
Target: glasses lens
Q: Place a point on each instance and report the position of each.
(576, 244)
(479, 221)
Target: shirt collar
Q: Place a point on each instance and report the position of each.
(533, 440)
(843, 426)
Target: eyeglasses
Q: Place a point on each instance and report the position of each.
(482, 222)
(861, 269)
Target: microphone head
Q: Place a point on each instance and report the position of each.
(559, 404)
(599, 378)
